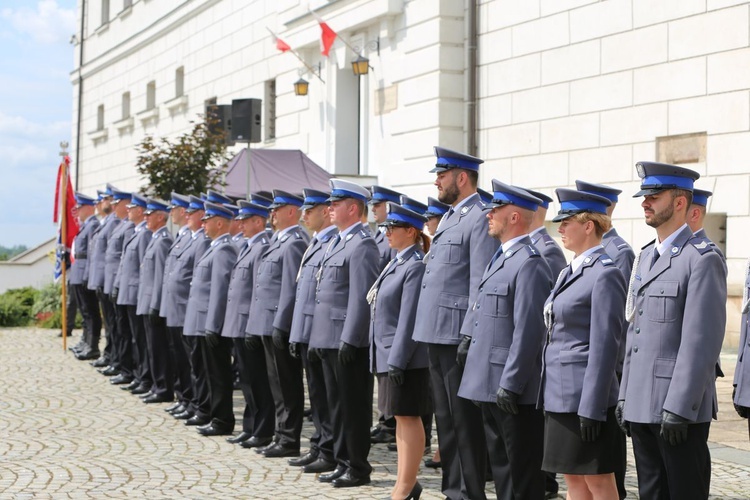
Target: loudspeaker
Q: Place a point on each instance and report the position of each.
(246, 120)
(222, 114)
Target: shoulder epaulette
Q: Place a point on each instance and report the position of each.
(418, 256)
(532, 251)
(364, 234)
(703, 245)
(622, 245)
(297, 235)
(648, 244)
(606, 261)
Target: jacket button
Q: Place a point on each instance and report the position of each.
(695, 407)
(640, 312)
(635, 348)
(476, 323)
(638, 329)
(424, 285)
(661, 291)
(427, 271)
(455, 304)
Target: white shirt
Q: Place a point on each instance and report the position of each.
(509, 244)
(578, 261)
(665, 245)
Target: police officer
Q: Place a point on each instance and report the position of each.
(741, 383)
(317, 218)
(96, 275)
(339, 334)
(379, 207)
(271, 319)
(259, 416)
(435, 211)
(121, 358)
(697, 215)
(79, 271)
(234, 228)
(541, 239)
(205, 315)
(149, 303)
(677, 307)
(460, 251)
(126, 290)
(503, 366)
(413, 205)
(176, 297)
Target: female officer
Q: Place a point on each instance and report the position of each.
(584, 316)
(401, 364)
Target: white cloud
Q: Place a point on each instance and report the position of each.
(48, 24)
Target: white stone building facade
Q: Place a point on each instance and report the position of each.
(566, 89)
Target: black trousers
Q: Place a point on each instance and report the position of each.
(92, 318)
(218, 364)
(516, 445)
(349, 391)
(285, 380)
(136, 332)
(180, 360)
(667, 472)
(71, 309)
(201, 403)
(463, 452)
(110, 321)
(141, 354)
(259, 418)
(159, 358)
(122, 351)
(322, 438)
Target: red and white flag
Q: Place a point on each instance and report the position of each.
(66, 218)
(327, 35)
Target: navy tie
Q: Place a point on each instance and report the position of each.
(497, 255)
(656, 257)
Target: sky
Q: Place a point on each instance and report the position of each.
(36, 99)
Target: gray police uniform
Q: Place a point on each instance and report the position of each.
(506, 352)
(258, 417)
(341, 314)
(384, 249)
(550, 250)
(97, 268)
(78, 279)
(149, 305)
(460, 251)
(741, 394)
(673, 343)
(121, 356)
(205, 313)
(272, 309)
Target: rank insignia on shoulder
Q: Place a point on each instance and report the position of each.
(284, 238)
(549, 242)
(263, 240)
(532, 251)
(297, 235)
(606, 262)
(703, 247)
(362, 233)
(622, 245)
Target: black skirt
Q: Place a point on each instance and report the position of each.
(566, 453)
(413, 398)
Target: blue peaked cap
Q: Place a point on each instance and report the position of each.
(574, 202)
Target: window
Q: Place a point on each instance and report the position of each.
(100, 117)
(151, 95)
(179, 82)
(126, 105)
(270, 110)
(105, 11)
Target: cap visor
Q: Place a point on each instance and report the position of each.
(561, 217)
(149, 212)
(647, 192)
(490, 205)
(439, 168)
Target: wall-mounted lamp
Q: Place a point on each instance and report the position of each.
(301, 86)
(361, 65)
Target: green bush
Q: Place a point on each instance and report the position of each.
(47, 309)
(16, 305)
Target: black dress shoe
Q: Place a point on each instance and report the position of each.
(256, 442)
(196, 420)
(428, 462)
(305, 459)
(156, 398)
(88, 354)
(172, 408)
(132, 385)
(68, 334)
(177, 409)
(319, 466)
(100, 362)
(239, 438)
(141, 389)
(110, 371)
(213, 431)
(146, 394)
(120, 380)
(348, 481)
(383, 437)
(339, 471)
(262, 449)
(185, 415)
(280, 451)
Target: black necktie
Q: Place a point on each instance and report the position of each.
(656, 257)
(497, 255)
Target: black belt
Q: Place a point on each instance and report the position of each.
(81, 255)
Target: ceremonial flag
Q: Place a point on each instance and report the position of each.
(327, 35)
(68, 223)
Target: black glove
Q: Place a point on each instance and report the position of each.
(507, 401)
(346, 353)
(620, 417)
(590, 429)
(212, 339)
(674, 428)
(280, 339)
(742, 411)
(314, 355)
(294, 350)
(463, 351)
(396, 375)
(253, 342)
(115, 293)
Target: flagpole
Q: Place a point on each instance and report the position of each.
(63, 237)
(310, 68)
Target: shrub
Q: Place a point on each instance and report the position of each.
(16, 305)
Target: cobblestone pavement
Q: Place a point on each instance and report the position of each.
(65, 432)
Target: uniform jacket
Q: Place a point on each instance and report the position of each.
(115, 244)
(550, 250)
(82, 245)
(742, 369)
(276, 285)
(675, 337)
(180, 273)
(98, 259)
(152, 271)
(384, 249)
(183, 238)
(460, 251)
(207, 303)
(346, 275)
(304, 301)
(394, 313)
(622, 255)
(239, 241)
(580, 355)
(129, 274)
(701, 233)
(241, 286)
(508, 331)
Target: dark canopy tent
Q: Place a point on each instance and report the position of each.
(286, 169)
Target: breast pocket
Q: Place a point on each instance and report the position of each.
(244, 271)
(496, 301)
(450, 249)
(203, 272)
(662, 300)
(271, 266)
(334, 269)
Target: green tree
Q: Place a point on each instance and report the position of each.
(189, 164)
